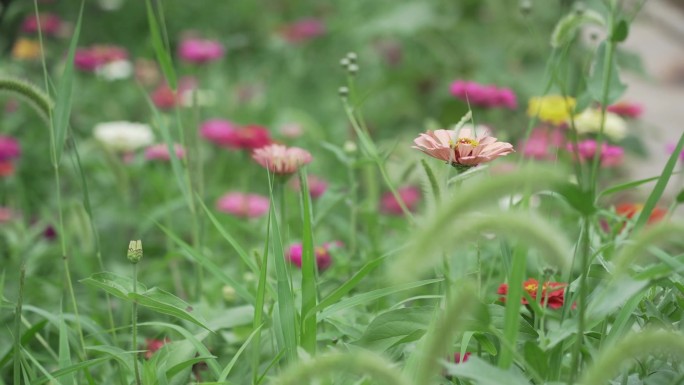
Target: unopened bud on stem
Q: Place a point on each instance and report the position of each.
(135, 251)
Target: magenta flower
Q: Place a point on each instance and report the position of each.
(610, 155)
(161, 152)
(280, 159)
(303, 30)
(91, 58)
(249, 137)
(243, 205)
(462, 149)
(317, 186)
(218, 131)
(49, 24)
(9, 148)
(487, 96)
(322, 253)
(200, 51)
(626, 109)
(409, 194)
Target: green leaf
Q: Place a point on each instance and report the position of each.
(60, 119)
(125, 358)
(309, 292)
(114, 284)
(536, 358)
(581, 200)
(620, 32)
(229, 367)
(163, 56)
(397, 326)
(167, 303)
(485, 374)
(64, 351)
(597, 81)
(660, 186)
(625, 186)
(370, 296)
(680, 197)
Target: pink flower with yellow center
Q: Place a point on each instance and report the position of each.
(462, 149)
(281, 160)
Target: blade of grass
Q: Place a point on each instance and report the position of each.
(64, 352)
(660, 185)
(513, 300)
(260, 298)
(160, 50)
(17, 326)
(309, 293)
(229, 367)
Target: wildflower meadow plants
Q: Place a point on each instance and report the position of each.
(406, 227)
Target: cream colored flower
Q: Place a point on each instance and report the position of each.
(589, 122)
(122, 136)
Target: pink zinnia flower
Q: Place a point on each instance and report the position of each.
(543, 143)
(243, 205)
(322, 254)
(9, 148)
(317, 186)
(91, 58)
(626, 109)
(610, 155)
(280, 159)
(200, 51)
(249, 137)
(219, 131)
(161, 152)
(49, 24)
(303, 30)
(462, 149)
(409, 194)
(481, 95)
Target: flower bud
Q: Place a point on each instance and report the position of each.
(135, 251)
(229, 293)
(349, 147)
(351, 56)
(344, 62)
(353, 69)
(343, 91)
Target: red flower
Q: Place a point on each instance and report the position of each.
(458, 359)
(153, 345)
(629, 210)
(6, 169)
(553, 293)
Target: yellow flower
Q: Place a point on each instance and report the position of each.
(553, 109)
(26, 49)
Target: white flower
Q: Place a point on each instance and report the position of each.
(115, 70)
(110, 5)
(589, 121)
(122, 136)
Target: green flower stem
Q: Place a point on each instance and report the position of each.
(134, 324)
(584, 250)
(17, 327)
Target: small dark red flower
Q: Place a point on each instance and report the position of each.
(153, 345)
(458, 359)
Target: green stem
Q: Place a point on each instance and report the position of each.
(581, 299)
(17, 327)
(135, 325)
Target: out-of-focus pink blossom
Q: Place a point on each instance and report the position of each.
(610, 155)
(543, 143)
(200, 51)
(626, 109)
(218, 131)
(49, 24)
(390, 50)
(291, 130)
(146, 72)
(671, 147)
(409, 194)
(317, 186)
(153, 345)
(303, 30)
(243, 205)
(9, 148)
(161, 152)
(165, 98)
(322, 254)
(458, 359)
(481, 95)
(6, 214)
(280, 159)
(250, 137)
(6, 168)
(91, 58)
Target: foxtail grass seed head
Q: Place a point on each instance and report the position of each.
(135, 251)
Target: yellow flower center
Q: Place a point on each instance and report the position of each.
(465, 141)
